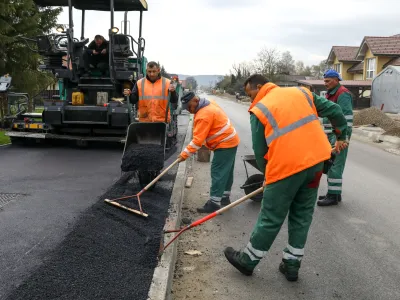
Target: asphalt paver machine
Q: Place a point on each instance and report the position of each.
(89, 107)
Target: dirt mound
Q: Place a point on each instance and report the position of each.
(393, 132)
(375, 117)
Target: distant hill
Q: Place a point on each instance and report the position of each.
(202, 80)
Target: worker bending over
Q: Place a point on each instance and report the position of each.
(289, 142)
(213, 128)
(150, 94)
(342, 96)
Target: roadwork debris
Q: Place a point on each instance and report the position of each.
(193, 252)
(143, 157)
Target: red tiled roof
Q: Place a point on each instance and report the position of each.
(346, 53)
(393, 62)
(383, 45)
(357, 68)
(347, 83)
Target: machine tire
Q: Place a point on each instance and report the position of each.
(145, 177)
(256, 178)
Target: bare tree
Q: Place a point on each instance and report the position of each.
(319, 70)
(242, 70)
(267, 62)
(286, 64)
(299, 67)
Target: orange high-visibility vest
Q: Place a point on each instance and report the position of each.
(293, 132)
(153, 100)
(212, 128)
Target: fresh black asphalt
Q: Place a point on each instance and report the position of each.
(77, 246)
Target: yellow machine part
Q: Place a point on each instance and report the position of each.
(28, 126)
(77, 98)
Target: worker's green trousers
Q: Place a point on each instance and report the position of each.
(295, 195)
(222, 167)
(335, 173)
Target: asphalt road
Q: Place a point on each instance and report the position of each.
(352, 250)
(52, 239)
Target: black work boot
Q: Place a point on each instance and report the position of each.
(322, 197)
(225, 200)
(330, 199)
(209, 207)
(234, 257)
(290, 268)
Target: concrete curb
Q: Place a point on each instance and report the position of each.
(377, 137)
(5, 145)
(163, 274)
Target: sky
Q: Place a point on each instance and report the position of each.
(206, 37)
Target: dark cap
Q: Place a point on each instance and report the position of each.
(186, 98)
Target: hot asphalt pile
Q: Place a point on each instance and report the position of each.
(146, 157)
(110, 253)
(375, 116)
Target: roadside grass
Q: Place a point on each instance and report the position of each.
(3, 138)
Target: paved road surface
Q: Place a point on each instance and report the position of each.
(49, 187)
(352, 251)
(53, 214)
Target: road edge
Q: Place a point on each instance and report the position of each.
(161, 282)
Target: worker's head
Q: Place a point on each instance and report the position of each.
(190, 102)
(253, 84)
(331, 79)
(99, 40)
(153, 70)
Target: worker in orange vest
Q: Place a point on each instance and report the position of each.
(287, 134)
(151, 95)
(213, 128)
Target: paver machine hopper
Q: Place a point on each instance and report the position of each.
(89, 107)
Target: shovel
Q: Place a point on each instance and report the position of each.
(208, 217)
(141, 213)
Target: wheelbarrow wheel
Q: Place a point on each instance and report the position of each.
(253, 183)
(145, 177)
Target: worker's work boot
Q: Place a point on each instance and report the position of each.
(240, 261)
(290, 268)
(330, 199)
(209, 207)
(225, 201)
(322, 197)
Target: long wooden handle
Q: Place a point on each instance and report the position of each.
(161, 174)
(237, 202)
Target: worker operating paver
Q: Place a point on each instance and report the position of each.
(213, 128)
(337, 93)
(286, 132)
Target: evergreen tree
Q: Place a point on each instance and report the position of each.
(24, 18)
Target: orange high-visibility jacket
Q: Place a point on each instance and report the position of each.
(153, 100)
(293, 132)
(213, 128)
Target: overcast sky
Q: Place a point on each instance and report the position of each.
(199, 37)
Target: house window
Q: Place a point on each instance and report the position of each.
(338, 68)
(371, 67)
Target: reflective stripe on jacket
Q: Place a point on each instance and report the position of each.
(212, 128)
(153, 100)
(293, 132)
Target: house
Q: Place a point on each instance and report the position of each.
(290, 80)
(343, 60)
(378, 53)
(364, 62)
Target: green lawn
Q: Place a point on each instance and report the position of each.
(4, 139)
(39, 110)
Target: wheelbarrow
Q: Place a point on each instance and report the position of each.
(150, 134)
(254, 181)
